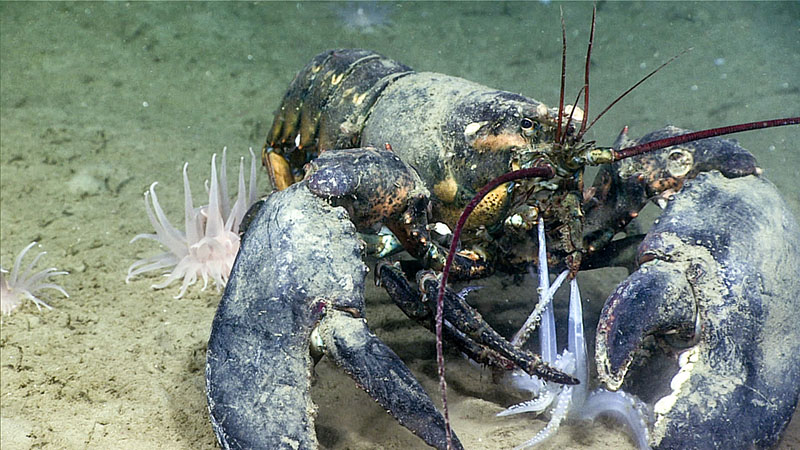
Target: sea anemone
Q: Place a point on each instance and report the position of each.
(574, 402)
(209, 245)
(19, 286)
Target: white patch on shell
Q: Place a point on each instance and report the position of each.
(515, 220)
(316, 342)
(663, 406)
(542, 111)
(347, 283)
(686, 361)
(472, 129)
(440, 228)
(679, 162)
(577, 115)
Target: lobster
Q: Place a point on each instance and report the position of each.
(484, 163)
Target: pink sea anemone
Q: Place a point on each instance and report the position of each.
(208, 246)
(19, 286)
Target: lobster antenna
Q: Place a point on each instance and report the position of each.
(571, 113)
(533, 172)
(563, 75)
(632, 88)
(697, 135)
(586, 76)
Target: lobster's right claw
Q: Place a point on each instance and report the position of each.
(299, 270)
(382, 374)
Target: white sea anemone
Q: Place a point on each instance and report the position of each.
(19, 286)
(209, 245)
(568, 401)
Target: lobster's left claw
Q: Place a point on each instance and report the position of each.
(720, 274)
(655, 301)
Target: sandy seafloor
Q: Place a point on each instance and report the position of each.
(101, 99)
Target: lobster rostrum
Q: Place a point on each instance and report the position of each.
(481, 161)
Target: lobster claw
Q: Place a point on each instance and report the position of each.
(719, 275)
(299, 275)
(655, 300)
(382, 374)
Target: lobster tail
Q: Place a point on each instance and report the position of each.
(327, 105)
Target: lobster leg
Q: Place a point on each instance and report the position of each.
(622, 189)
(412, 232)
(464, 325)
(470, 322)
(410, 301)
(374, 185)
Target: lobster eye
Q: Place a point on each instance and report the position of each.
(529, 127)
(526, 124)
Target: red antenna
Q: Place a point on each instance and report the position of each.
(586, 77)
(534, 172)
(697, 135)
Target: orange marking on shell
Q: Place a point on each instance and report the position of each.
(488, 211)
(498, 142)
(280, 171)
(446, 190)
(666, 184)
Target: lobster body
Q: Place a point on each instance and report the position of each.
(457, 135)
(467, 137)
